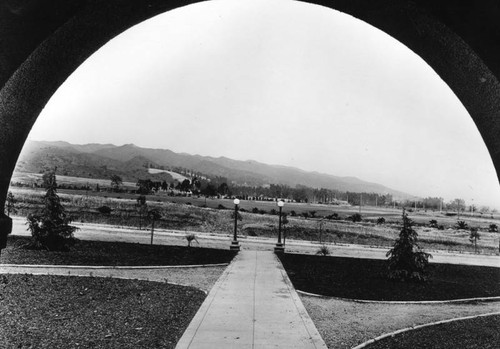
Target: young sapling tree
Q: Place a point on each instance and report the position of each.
(406, 260)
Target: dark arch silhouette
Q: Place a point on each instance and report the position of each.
(43, 41)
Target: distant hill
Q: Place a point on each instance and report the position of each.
(130, 162)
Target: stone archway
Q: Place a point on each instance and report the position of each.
(43, 41)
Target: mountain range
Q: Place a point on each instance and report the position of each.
(131, 163)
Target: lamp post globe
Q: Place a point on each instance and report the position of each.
(235, 245)
(279, 245)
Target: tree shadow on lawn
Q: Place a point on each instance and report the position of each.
(356, 278)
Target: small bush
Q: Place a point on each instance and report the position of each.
(221, 207)
(461, 225)
(356, 217)
(493, 228)
(104, 210)
(190, 238)
(255, 210)
(381, 220)
(333, 216)
(433, 223)
(273, 212)
(293, 213)
(323, 251)
(441, 227)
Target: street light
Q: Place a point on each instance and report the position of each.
(279, 246)
(235, 245)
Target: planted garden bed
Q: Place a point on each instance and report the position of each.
(113, 254)
(85, 312)
(478, 333)
(356, 278)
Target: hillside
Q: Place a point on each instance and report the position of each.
(130, 162)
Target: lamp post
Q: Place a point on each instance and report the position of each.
(279, 246)
(235, 245)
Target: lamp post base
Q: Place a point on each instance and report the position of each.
(279, 248)
(235, 246)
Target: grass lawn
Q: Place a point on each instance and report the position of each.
(365, 279)
(478, 333)
(113, 254)
(85, 312)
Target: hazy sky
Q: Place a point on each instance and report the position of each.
(280, 82)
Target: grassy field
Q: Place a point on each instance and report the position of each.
(214, 216)
(23, 177)
(85, 312)
(357, 278)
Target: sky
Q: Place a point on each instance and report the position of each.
(280, 82)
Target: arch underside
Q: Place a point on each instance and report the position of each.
(42, 42)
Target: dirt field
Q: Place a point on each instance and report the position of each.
(213, 215)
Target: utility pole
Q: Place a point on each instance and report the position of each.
(360, 202)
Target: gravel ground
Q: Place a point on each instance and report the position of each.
(203, 278)
(345, 324)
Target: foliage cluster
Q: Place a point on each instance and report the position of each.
(406, 260)
(50, 227)
(356, 217)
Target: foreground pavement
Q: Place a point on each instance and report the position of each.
(252, 305)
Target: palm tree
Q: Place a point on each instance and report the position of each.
(474, 236)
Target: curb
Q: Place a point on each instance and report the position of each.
(193, 326)
(407, 329)
(117, 277)
(132, 267)
(314, 334)
(456, 301)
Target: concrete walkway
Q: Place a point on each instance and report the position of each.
(252, 305)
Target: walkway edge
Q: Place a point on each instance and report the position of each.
(121, 267)
(376, 339)
(306, 319)
(446, 301)
(188, 335)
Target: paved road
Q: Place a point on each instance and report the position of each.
(103, 232)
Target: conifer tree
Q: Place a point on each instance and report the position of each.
(10, 204)
(50, 227)
(406, 260)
